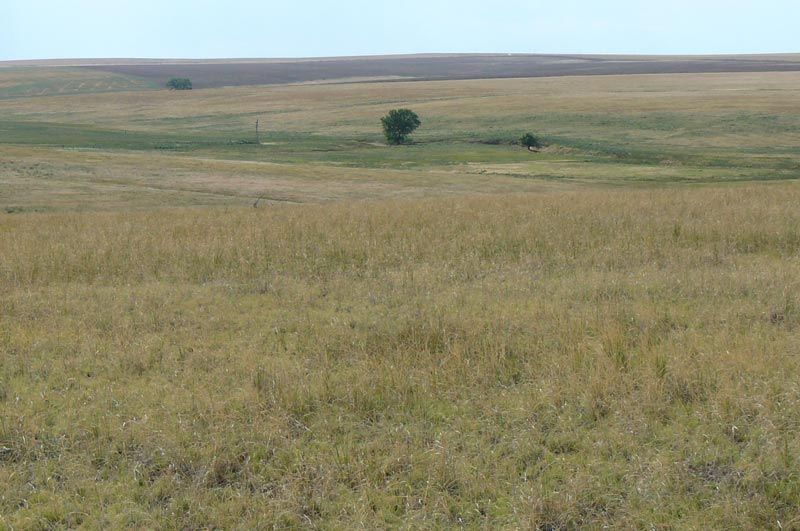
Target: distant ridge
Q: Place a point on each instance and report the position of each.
(209, 73)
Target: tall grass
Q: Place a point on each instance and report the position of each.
(583, 359)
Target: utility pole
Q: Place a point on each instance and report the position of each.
(258, 140)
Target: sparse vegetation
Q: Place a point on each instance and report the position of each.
(399, 124)
(179, 83)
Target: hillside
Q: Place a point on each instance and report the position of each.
(237, 72)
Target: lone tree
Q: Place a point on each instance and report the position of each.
(398, 124)
(531, 141)
(180, 83)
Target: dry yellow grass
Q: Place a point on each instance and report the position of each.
(591, 358)
(57, 179)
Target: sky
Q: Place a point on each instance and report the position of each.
(48, 29)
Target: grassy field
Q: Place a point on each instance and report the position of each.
(454, 333)
(324, 143)
(26, 82)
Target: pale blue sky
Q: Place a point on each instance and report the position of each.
(36, 29)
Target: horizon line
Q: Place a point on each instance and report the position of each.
(245, 59)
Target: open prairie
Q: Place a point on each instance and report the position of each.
(456, 332)
(323, 142)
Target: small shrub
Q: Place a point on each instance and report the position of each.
(531, 141)
(179, 83)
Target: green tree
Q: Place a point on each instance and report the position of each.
(531, 141)
(180, 83)
(398, 124)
